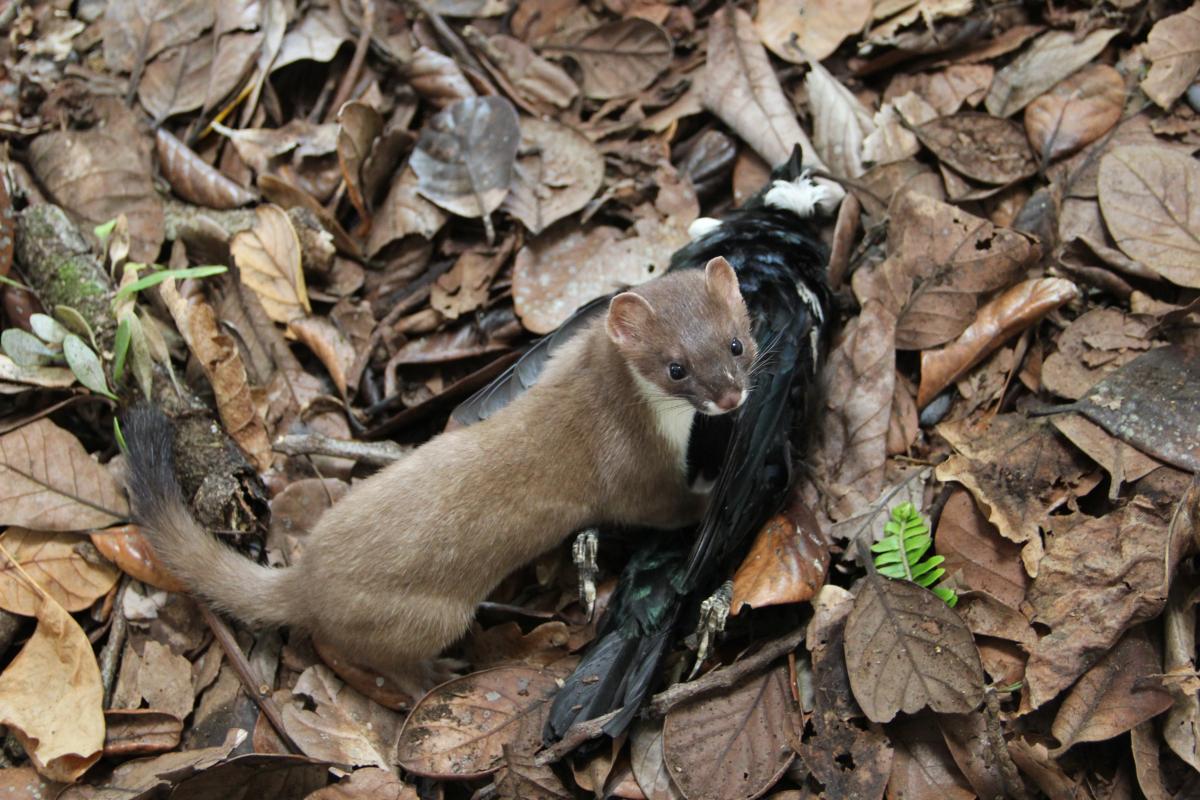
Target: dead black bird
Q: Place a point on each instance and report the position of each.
(781, 266)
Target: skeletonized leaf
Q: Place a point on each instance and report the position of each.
(906, 649)
(1173, 48)
(464, 158)
(733, 745)
(85, 364)
(1054, 56)
(1150, 197)
(798, 31)
(996, 322)
(980, 146)
(840, 123)
(741, 88)
(1115, 695)
(59, 564)
(459, 730)
(51, 696)
(562, 173)
(1076, 112)
(193, 179)
(620, 58)
(48, 482)
(268, 256)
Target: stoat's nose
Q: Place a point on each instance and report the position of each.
(730, 399)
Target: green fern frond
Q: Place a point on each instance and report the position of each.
(898, 555)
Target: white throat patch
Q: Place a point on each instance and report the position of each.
(672, 416)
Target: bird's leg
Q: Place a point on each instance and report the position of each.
(713, 613)
(583, 553)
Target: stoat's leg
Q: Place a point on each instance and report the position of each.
(713, 613)
(583, 552)
(806, 196)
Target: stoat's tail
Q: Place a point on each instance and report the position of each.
(254, 594)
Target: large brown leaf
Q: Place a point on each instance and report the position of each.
(735, 745)
(1054, 56)
(1118, 693)
(980, 146)
(840, 123)
(620, 58)
(193, 179)
(646, 759)
(1150, 197)
(1173, 48)
(812, 29)
(787, 562)
(268, 258)
(460, 729)
(51, 696)
(197, 74)
(1092, 347)
(404, 213)
(740, 87)
(976, 556)
(464, 158)
(1076, 112)
(134, 30)
(50, 483)
(60, 563)
(906, 649)
(359, 126)
(559, 176)
(344, 727)
(940, 260)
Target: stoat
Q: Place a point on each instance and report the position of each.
(393, 572)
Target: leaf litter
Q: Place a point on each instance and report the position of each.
(1015, 356)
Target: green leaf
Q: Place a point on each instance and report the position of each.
(120, 437)
(104, 230)
(47, 328)
(86, 365)
(10, 282)
(25, 349)
(156, 278)
(947, 595)
(121, 347)
(898, 555)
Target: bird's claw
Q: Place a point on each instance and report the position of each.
(583, 553)
(713, 613)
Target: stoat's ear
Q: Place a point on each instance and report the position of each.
(722, 282)
(628, 314)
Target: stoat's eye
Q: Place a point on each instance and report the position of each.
(676, 371)
(736, 348)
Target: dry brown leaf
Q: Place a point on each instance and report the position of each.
(222, 363)
(941, 259)
(1054, 56)
(344, 727)
(1122, 462)
(981, 752)
(507, 644)
(102, 173)
(646, 759)
(787, 562)
(193, 179)
(1076, 112)
(906, 649)
(359, 126)
(1100, 576)
(1173, 49)
(154, 674)
(840, 123)
(437, 78)
(369, 783)
(404, 213)
(329, 344)
(268, 257)
(51, 697)
(1019, 470)
(741, 88)
(735, 745)
(23, 783)
(61, 565)
(317, 37)
(619, 58)
(139, 731)
(460, 729)
(50, 483)
(923, 768)
(464, 158)
(1121, 691)
(980, 146)
(44, 377)
(1001, 318)
(812, 29)
(464, 287)
(976, 556)
(1092, 347)
(561, 173)
(1143, 741)
(945, 90)
(145, 29)
(128, 548)
(1150, 197)
(531, 75)
(197, 74)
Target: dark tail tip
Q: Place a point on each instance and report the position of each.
(149, 437)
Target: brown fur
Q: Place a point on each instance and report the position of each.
(392, 573)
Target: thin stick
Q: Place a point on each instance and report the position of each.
(375, 454)
(258, 691)
(356, 62)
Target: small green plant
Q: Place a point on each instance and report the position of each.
(898, 555)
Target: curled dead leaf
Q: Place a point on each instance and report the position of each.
(268, 257)
(59, 565)
(193, 179)
(359, 126)
(1076, 112)
(437, 78)
(840, 123)
(404, 213)
(128, 548)
(787, 562)
(139, 732)
(995, 323)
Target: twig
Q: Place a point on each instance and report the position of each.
(453, 41)
(110, 654)
(375, 454)
(258, 691)
(356, 62)
(666, 700)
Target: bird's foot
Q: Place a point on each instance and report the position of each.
(583, 553)
(713, 613)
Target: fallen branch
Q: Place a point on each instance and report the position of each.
(375, 454)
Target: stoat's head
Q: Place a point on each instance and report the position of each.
(687, 335)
